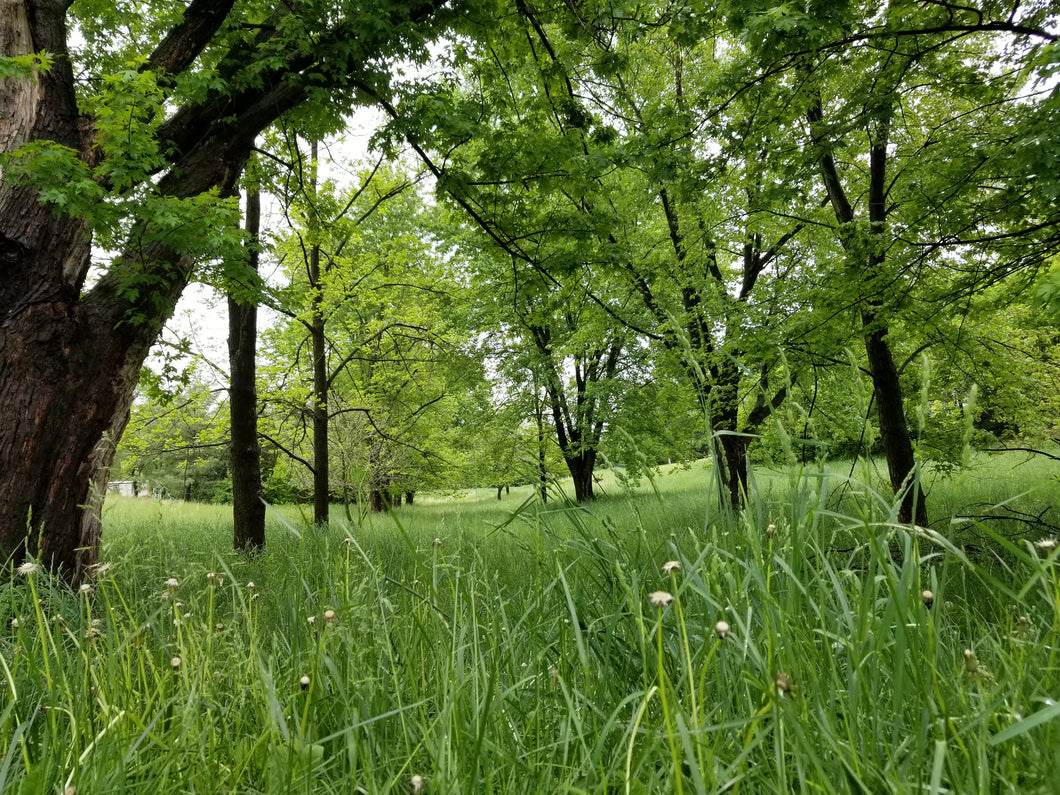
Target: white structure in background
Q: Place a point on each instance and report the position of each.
(123, 488)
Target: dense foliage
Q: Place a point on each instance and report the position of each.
(673, 230)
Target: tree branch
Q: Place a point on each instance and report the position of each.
(182, 45)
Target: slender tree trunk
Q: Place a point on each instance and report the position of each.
(894, 430)
(886, 386)
(248, 510)
(346, 501)
(321, 476)
(542, 469)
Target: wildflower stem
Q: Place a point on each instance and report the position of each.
(675, 755)
(689, 674)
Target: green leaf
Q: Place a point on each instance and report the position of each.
(1021, 727)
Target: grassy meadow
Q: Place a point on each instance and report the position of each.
(470, 645)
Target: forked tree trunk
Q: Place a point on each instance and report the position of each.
(70, 362)
(886, 386)
(248, 510)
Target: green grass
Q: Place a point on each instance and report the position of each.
(523, 653)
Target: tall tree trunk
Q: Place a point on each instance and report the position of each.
(894, 430)
(321, 478)
(886, 386)
(542, 469)
(248, 510)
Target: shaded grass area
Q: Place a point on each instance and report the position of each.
(525, 651)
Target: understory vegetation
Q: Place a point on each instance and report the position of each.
(647, 642)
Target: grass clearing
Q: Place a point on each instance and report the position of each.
(524, 652)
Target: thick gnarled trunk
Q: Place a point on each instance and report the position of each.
(59, 431)
(69, 362)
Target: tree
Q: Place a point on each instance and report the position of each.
(248, 509)
(366, 341)
(140, 155)
(174, 443)
(907, 113)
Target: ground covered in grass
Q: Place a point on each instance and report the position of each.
(465, 645)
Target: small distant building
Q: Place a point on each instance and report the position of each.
(123, 488)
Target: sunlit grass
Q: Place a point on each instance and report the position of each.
(522, 651)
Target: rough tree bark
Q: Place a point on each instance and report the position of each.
(248, 510)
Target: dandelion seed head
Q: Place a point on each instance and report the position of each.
(304, 682)
(250, 585)
(416, 783)
(311, 620)
(928, 598)
(722, 628)
(28, 568)
(86, 589)
(14, 623)
(671, 566)
(175, 663)
(971, 665)
(437, 542)
(660, 599)
(1047, 544)
(213, 578)
(172, 582)
(330, 617)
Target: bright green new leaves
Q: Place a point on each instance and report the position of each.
(113, 190)
(24, 67)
